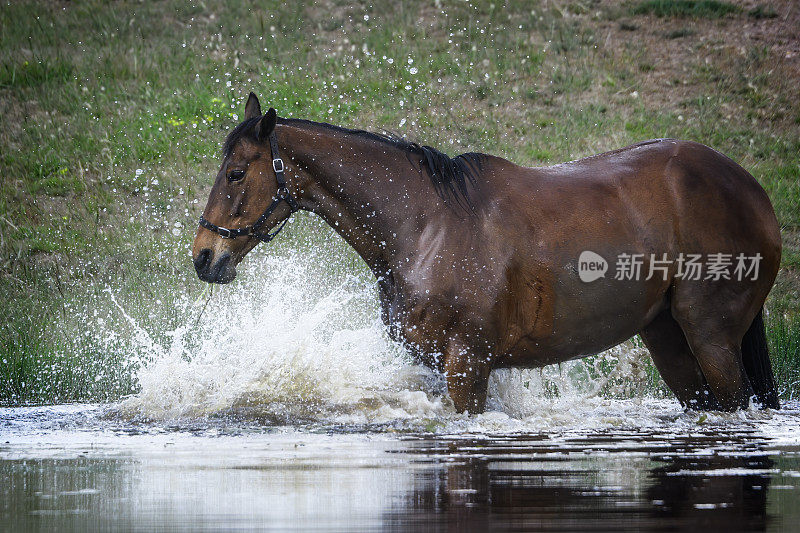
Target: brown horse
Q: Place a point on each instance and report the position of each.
(484, 264)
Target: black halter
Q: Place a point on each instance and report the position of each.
(282, 195)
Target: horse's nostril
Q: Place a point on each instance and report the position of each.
(202, 260)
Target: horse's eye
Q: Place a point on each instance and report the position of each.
(236, 175)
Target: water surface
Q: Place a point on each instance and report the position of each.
(282, 404)
(78, 468)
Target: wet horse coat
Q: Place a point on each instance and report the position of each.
(477, 258)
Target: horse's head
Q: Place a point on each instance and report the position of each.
(249, 197)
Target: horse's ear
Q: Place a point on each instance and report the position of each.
(252, 108)
(267, 124)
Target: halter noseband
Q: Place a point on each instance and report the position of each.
(282, 195)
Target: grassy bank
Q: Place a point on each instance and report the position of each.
(113, 115)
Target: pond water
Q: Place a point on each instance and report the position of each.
(614, 465)
(282, 404)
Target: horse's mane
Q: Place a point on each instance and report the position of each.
(450, 175)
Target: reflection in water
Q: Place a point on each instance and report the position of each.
(522, 484)
(737, 498)
(97, 475)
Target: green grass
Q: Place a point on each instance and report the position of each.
(685, 8)
(35, 73)
(763, 12)
(113, 115)
(679, 33)
(783, 333)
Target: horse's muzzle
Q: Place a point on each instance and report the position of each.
(211, 271)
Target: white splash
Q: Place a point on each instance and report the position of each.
(285, 344)
(290, 342)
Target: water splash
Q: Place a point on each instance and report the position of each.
(290, 343)
(285, 344)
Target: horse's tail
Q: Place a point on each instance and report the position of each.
(755, 356)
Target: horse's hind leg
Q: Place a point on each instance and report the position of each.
(676, 364)
(721, 362)
(715, 335)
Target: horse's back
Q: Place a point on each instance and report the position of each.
(685, 179)
(656, 197)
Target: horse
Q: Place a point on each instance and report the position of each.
(483, 264)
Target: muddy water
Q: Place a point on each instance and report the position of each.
(79, 468)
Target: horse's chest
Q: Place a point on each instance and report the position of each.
(424, 324)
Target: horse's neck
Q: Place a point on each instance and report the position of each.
(370, 192)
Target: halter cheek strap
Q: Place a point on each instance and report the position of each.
(282, 195)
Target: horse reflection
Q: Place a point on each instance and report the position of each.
(522, 487)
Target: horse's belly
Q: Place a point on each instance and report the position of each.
(533, 352)
(587, 323)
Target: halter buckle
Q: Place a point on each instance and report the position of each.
(225, 233)
(277, 165)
